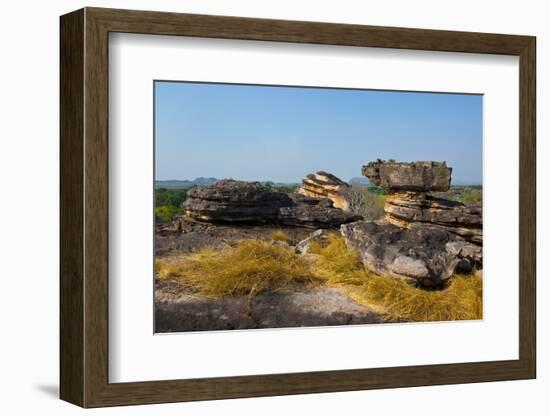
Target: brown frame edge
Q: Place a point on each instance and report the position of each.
(84, 207)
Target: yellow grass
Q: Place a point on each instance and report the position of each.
(253, 267)
(397, 299)
(250, 268)
(280, 235)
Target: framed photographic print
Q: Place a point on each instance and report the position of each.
(255, 207)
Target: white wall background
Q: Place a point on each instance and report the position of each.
(29, 225)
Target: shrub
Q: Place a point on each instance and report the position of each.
(166, 212)
(172, 197)
(373, 189)
(471, 196)
(361, 201)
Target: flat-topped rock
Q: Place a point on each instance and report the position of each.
(323, 185)
(424, 254)
(421, 176)
(231, 201)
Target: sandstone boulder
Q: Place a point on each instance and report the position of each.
(231, 201)
(323, 185)
(423, 254)
(419, 176)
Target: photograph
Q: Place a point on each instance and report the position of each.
(289, 206)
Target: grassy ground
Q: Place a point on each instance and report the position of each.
(253, 267)
(461, 299)
(250, 268)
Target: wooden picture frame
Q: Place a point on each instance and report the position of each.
(84, 207)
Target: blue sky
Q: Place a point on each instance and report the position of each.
(281, 134)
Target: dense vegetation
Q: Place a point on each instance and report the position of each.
(468, 195)
(373, 189)
(168, 202)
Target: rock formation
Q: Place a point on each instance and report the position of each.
(421, 253)
(231, 201)
(323, 185)
(234, 201)
(422, 238)
(409, 202)
(414, 176)
(404, 209)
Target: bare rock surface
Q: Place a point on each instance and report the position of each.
(185, 235)
(231, 201)
(421, 176)
(323, 185)
(176, 311)
(423, 253)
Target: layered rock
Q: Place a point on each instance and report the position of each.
(231, 201)
(234, 201)
(314, 213)
(421, 253)
(404, 209)
(422, 176)
(323, 185)
(409, 202)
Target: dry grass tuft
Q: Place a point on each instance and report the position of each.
(249, 268)
(460, 300)
(337, 264)
(253, 267)
(397, 299)
(280, 235)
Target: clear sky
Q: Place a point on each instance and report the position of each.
(281, 134)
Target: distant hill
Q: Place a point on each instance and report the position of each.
(186, 183)
(359, 180)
